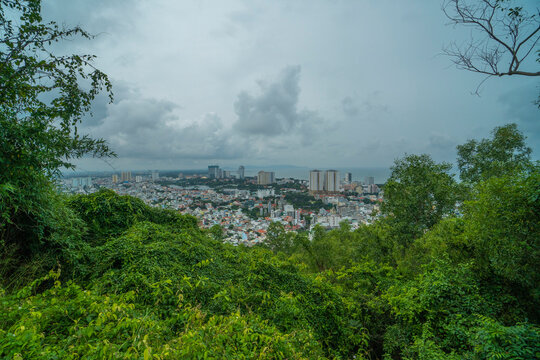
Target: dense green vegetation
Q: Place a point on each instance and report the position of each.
(118, 279)
(449, 271)
(305, 201)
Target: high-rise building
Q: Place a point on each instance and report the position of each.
(265, 178)
(369, 180)
(348, 177)
(126, 175)
(241, 172)
(213, 171)
(115, 178)
(155, 175)
(226, 174)
(138, 179)
(81, 182)
(331, 181)
(316, 180)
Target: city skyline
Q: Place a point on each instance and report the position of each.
(296, 172)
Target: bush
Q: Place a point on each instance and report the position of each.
(108, 214)
(69, 322)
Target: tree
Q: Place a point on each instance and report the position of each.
(43, 97)
(504, 154)
(507, 36)
(216, 232)
(417, 195)
(279, 240)
(502, 225)
(275, 236)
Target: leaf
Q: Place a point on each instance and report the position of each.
(147, 354)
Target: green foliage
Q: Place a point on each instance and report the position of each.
(216, 231)
(305, 201)
(42, 133)
(243, 337)
(23, 256)
(373, 243)
(502, 225)
(279, 240)
(491, 340)
(43, 97)
(163, 262)
(70, 322)
(141, 282)
(438, 305)
(444, 241)
(108, 214)
(361, 287)
(159, 259)
(418, 194)
(159, 266)
(502, 155)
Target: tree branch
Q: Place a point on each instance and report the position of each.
(498, 23)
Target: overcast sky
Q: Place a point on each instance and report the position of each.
(309, 83)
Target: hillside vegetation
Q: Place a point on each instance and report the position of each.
(110, 277)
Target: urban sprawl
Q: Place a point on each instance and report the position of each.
(244, 207)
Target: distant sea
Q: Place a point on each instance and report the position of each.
(358, 174)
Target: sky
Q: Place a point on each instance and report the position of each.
(319, 84)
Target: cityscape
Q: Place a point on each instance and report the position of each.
(245, 206)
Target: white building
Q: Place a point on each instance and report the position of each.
(265, 178)
(213, 171)
(331, 181)
(126, 176)
(262, 193)
(316, 180)
(81, 182)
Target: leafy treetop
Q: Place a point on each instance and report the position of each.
(43, 95)
(503, 154)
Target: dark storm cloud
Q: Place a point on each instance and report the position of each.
(275, 110)
(350, 106)
(100, 105)
(132, 121)
(148, 129)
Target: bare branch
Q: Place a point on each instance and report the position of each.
(512, 35)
